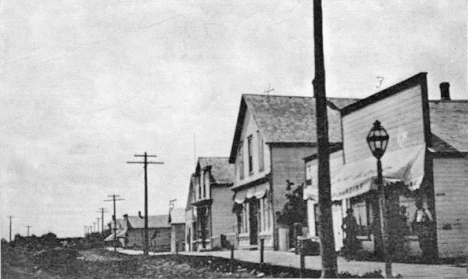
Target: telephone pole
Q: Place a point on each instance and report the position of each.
(329, 264)
(102, 210)
(145, 167)
(98, 224)
(10, 226)
(114, 218)
(28, 229)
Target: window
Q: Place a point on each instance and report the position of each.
(203, 184)
(265, 215)
(249, 151)
(241, 161)
(243, 219)
(206, 186)
(363, 214)
(261, 159)
(198, 186)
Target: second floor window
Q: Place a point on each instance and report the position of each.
(241, 161)
(249, 151)
(261, 162)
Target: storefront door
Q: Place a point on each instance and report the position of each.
(253, 219)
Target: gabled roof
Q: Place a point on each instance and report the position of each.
(156, 221)
(177, 216)
(222, 172)
(287, 119)
(449, 125)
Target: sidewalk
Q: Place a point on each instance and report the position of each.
(353, 267)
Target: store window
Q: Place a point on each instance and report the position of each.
(363, 214)
(243, 219)
(265, 215)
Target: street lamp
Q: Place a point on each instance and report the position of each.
(377, 139)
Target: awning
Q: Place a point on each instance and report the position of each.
(405, 165)
(258, 192)
(120, 234)
(110, 237)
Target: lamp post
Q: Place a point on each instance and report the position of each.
(377, 139)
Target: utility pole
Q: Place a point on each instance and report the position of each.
(98, 224)
(329, 264)
(28, 229)
(10, 226)
(145, 167)
(114, 218)
(102, 210)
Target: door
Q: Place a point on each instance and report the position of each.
(253, 220)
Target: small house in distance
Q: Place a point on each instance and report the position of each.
(132, 232)
(177, 222)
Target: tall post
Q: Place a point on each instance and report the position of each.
(114, 218)
(102, 210)
(10, 226)
(146, 204)
(145, 167)
(28, 229)
(383, 221)
(329, 264)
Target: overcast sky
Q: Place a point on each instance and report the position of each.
(85, 85)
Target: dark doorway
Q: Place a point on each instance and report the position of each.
(253, 215)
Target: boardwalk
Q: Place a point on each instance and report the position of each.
(354, 267)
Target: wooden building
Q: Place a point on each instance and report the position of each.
(177, 222)
(212, 204)
(426, 160)
(272, 135)
(132, 229)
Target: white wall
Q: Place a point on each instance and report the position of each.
(250, 129)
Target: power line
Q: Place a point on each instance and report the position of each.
(145, 167)
(115, 198)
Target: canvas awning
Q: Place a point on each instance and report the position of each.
(257, 191)
(405, 165)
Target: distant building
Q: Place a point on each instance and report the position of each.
(273, 134)
(131, 232)
(211, 201)
(426, 161)
(177, 222)
(190, 220)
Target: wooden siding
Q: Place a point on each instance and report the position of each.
(400, 114)
(250, 129)
(224, 220)
(177, 237)
(161, 243)
(336, 163)
(287, 164)
(451, 190)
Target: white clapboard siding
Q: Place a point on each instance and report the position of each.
(451, 189)
(400, 114)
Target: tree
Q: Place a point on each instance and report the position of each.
(295, 209)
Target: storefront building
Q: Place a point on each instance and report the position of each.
(426, 162)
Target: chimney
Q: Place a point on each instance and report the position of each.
(445, 91)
